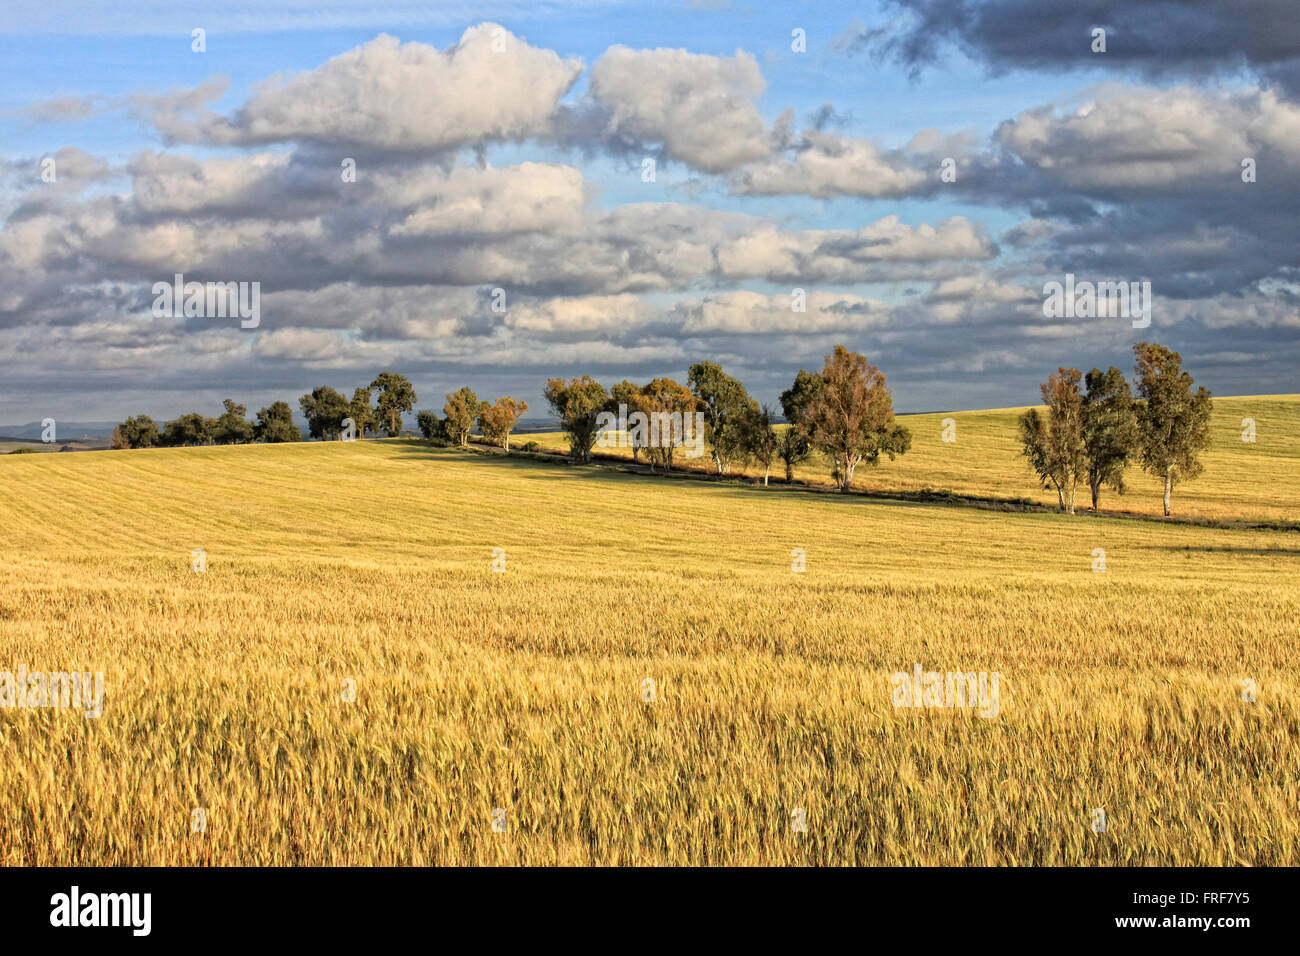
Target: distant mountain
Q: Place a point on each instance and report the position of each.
(532, 426)
(62, 430)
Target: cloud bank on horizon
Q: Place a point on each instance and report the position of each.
(911, 177)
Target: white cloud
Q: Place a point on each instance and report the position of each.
(852, 255)
(173, 183)
(744, 312)
(1144, 138)
(530, 197)
(827, 165)
(580, 313)
(701, 108)
(398, 96)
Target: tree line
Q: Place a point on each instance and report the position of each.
(329, 415)
(1091, 437)
(845, 411)
(274, 424)
(496, 420)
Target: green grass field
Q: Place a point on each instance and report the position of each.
(524, 692)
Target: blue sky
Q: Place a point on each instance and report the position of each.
(1108, 193)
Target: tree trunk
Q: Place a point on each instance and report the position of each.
(1096, 494)
(766, 471)
(1169, 487)
(1060, 497)
(789, 473)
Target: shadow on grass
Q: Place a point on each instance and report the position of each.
(554, 466)
(616, 469)
(1258, 552)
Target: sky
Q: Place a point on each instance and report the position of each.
(624, 189)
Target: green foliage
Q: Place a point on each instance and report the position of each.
(761, 440)
(727, 407)
(275, 424)
(666, 398)
(462, 410)
(1173, 421)
(190, 429)
(1054, 445)
(577, 402)
(363, 416)
(793, 445)
(324, 410)
(850, 416)
(233, 428)
(396, 395)
(627, 394)
(139, 431)
(499, 419)
(796, 399)
(1110, 430)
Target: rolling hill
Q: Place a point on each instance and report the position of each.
(649, 679)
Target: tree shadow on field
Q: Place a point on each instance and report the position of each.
(557, 466)
(551, 467)
(1211, 549)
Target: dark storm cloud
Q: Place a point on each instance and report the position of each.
(1157, 38)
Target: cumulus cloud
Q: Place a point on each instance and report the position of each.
(1167, 139)
(530, 197)
(745, 313)
(826, 164)
(400, 267)
(303, 345)
(701, 109)
(580, 314)
(490, 85)
(961, 288)
(174, 184)
(885, 249)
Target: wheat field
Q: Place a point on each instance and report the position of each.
(350, 682)
(1243, 481)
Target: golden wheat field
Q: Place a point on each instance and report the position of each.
(505, 717)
